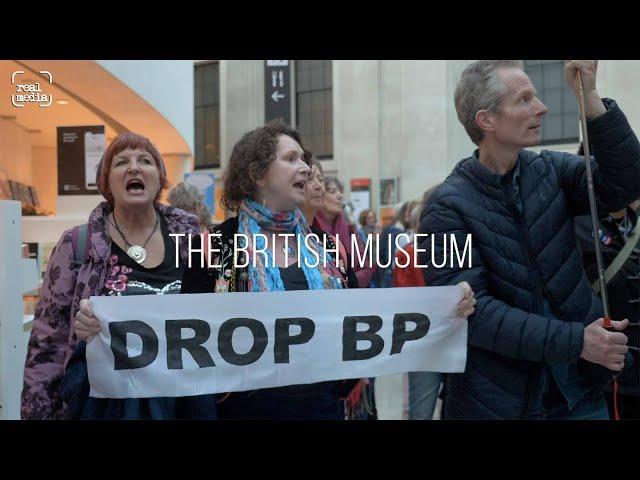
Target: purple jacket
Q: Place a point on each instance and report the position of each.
(52, 338)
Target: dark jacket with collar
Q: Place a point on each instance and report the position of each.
(518, 260)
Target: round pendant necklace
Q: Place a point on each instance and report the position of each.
(136, 252)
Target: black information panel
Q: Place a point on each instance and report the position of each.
(277, 90)
(79, 152)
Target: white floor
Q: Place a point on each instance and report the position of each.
(389, 397)
(390, 400)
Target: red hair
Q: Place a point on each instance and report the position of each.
(124, 141)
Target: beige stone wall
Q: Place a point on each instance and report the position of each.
(392, 117)
(15, 152)
(44, 162)
(396, 118)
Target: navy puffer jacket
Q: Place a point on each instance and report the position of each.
(518, 260)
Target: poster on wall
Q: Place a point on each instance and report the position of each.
(219, 216)
(79, 152)
(206, 183)
(389, 194)
(360, 195)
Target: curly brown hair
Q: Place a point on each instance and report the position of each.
(250, 159)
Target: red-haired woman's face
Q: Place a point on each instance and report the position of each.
(134, 179)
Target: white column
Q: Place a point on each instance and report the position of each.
(12, 345)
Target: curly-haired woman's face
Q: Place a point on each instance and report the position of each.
(283, 186)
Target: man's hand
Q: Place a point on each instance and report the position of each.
(466, 306)
(604, 347)
(588, 69)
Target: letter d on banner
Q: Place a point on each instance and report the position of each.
(122, 360)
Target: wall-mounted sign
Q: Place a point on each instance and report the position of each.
(277, 90)
(389, 194)
(360, 195)
(80, 150)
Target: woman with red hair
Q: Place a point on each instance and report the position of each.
(128, 251)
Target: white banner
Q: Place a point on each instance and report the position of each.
(183, 345)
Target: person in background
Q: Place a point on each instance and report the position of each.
(410, 228)
(368, 224)
(369, 228)
(387, 244)
(423, 387)
(187, 197)
(410, 276)
(313, 203)
(332, 220)
(623, 291)
(359, 399)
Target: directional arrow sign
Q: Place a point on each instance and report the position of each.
(277, 90)
(276, 95)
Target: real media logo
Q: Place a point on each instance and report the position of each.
(30, 92)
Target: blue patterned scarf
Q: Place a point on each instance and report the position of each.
(252, 218)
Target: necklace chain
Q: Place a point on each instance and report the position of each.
(127, 243)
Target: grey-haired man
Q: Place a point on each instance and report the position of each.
(537, 346)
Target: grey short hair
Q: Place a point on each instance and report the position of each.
(480, 88)
(186, 197)
(332, 179)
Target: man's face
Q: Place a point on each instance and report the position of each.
(518, 122)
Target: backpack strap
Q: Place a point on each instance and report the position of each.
(620, 259)
(79, 235)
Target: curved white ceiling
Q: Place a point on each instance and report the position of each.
(94, 97)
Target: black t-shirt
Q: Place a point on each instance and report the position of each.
(293, 278)
(127, 277)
